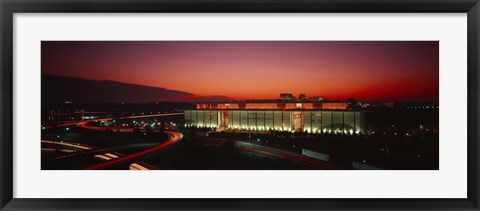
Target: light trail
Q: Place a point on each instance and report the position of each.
(54, 150)
(106, 156)
(136, 166)
(111, 155)
(284, 155)
(276, 153)
(135, 117)
(106, 150)
(82, 122)
(103, 128)
(175, 136)
(67, 144)
(151, 115)
(102, 157)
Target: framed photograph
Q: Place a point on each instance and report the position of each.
(253, 105)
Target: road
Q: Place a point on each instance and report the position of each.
(110, 149)
(67, 144)
(174, 137)
(82, 122)
(284, 155)
(276, 153)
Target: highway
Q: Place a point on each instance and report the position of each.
(67, 144)
(275, 153)
(284, 155)
(174, 137)
(82, 122)
(111, 149)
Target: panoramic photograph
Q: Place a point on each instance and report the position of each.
(239, 105)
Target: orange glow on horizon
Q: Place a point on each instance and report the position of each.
(246, 70)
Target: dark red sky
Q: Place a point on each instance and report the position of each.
(393, 70)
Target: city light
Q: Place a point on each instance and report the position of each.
(233, 106)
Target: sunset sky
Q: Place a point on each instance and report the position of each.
(403, 70)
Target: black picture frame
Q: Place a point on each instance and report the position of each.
(9, 7)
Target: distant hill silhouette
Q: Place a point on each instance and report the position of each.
(213, 98)
(58, 89)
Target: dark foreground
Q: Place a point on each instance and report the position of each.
(91, 147)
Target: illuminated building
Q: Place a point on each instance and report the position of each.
(316, 98)
(312, 117)
(287, 97)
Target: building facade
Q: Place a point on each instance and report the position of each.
(331, 118)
